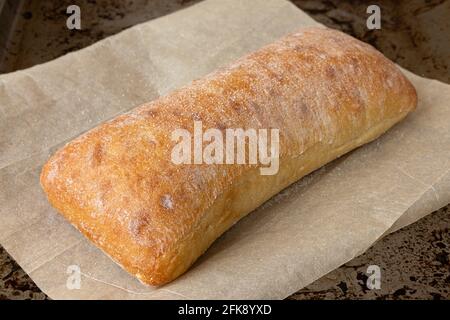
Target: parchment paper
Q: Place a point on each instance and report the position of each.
(309, 229)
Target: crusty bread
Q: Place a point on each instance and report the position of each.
(326, 92)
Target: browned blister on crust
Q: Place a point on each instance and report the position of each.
(326, 92)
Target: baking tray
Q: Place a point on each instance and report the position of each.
(415, 34)
(8, 16)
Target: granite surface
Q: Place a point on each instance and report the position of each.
(414, 261)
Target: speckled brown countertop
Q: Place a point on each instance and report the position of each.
(414, 261)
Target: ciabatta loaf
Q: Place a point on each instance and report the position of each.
(327, 93)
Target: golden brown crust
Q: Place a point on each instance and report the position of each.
(327, 93)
